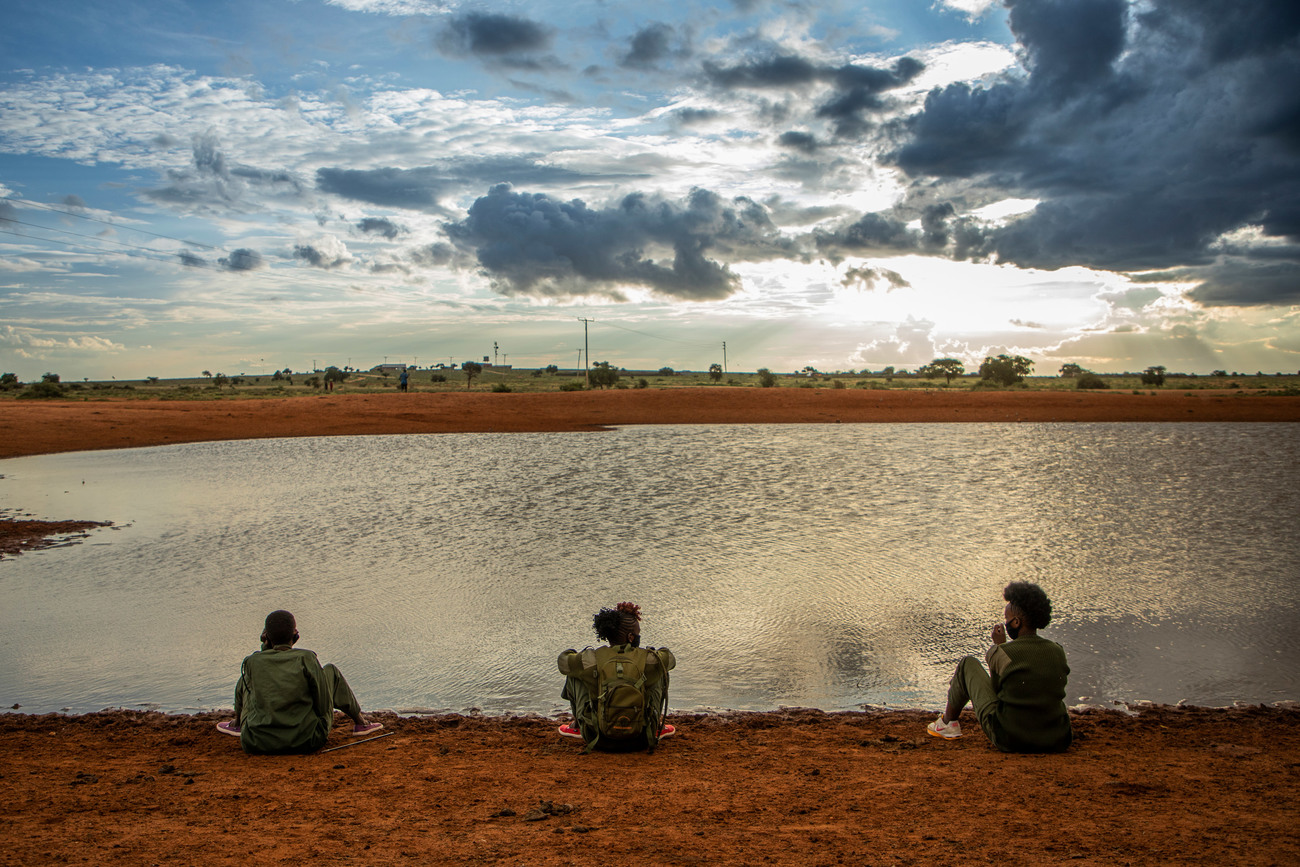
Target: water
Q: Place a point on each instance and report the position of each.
(827, 565)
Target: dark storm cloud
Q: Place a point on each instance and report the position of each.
(532, 244)
(499, 40)
(800, 141)
(192, 260)
(855, 90)
(652, 44)
(421, 188)
(1147, 133)
(380, 226)
(317, 258)
(1242, 284)
(692, 116)
(242, 259)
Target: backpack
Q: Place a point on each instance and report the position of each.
(616, 708)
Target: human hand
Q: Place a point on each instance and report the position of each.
(999, 634)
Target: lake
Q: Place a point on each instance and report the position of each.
(829, 566)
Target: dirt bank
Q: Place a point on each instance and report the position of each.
(1168, 786)
(41, 427)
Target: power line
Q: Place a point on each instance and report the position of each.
(96, 238)
(30, 204)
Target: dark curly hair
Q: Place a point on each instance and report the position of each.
(1031, 601)
(609, 623)
(280, 627)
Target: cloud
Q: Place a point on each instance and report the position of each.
(854, 90)
(422, 188)
(652, 44)
(213, 181)
(242, 259)
(192, 260)
(497, 39)
(326, 252)
(531, 244)
(1146, 133)
(799, 141)
(380, 226)
(869, 278)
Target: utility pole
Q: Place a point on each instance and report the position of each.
(579, 367)
(724, 356)
(494, 353)
(587, 347)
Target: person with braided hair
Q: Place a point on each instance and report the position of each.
(618, 693)
(1020, 700)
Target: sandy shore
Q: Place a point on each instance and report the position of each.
(1167, 786)
(42, 427)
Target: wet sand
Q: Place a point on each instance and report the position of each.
(1168, 785)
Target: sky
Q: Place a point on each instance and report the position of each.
(248, 186)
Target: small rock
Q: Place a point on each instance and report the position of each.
(535, 816)
(171, 769)
(502, 814)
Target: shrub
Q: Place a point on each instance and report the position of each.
(576, 385)
(838, 383)
(1091, 380)
(9, 382)
(438, 377)
(766, 379)
(666, 371)
(642, 383)
(501, 388)
(39, 390)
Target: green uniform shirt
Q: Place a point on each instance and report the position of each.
(1029, 676)
(283, 702)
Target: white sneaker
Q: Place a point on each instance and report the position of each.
(941, 729)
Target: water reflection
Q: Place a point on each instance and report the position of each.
(810, 565)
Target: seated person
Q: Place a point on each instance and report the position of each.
(1020, 701)
(285, 699)
(618, 694)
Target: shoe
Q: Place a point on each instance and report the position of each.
(941, 729)
(228, 727)
(570, 732)
(667, 732)
(367, 729)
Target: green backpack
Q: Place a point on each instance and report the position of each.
(618, 679)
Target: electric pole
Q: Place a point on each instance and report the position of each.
(586, 347)
(494, 353)
(724, 356)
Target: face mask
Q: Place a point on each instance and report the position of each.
(1012, 631)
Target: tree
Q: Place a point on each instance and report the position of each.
(1006, 369)
(1071, 370)
(220, 379)
(603, 374)
(765, 378)
(8, 381)
(472, 369)
(945, 367)
(1154, 376)
(715, 372)
(552, 369)
(1218, 373)
(889, 374)
(667, 371)
(49, 377)
(208, 374)
(333, 374)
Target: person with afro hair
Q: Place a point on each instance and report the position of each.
(1020, 701)
(586, 679)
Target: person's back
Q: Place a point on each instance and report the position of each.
(286, 708)
(619, 693)
(285, 699)
(1029, 675)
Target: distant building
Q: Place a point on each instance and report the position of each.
(388, 368)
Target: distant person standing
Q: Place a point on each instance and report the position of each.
(1020, 700)
(403, 380)
(285, 699)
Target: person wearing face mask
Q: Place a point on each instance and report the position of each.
(1020, 700)
(619, 693)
